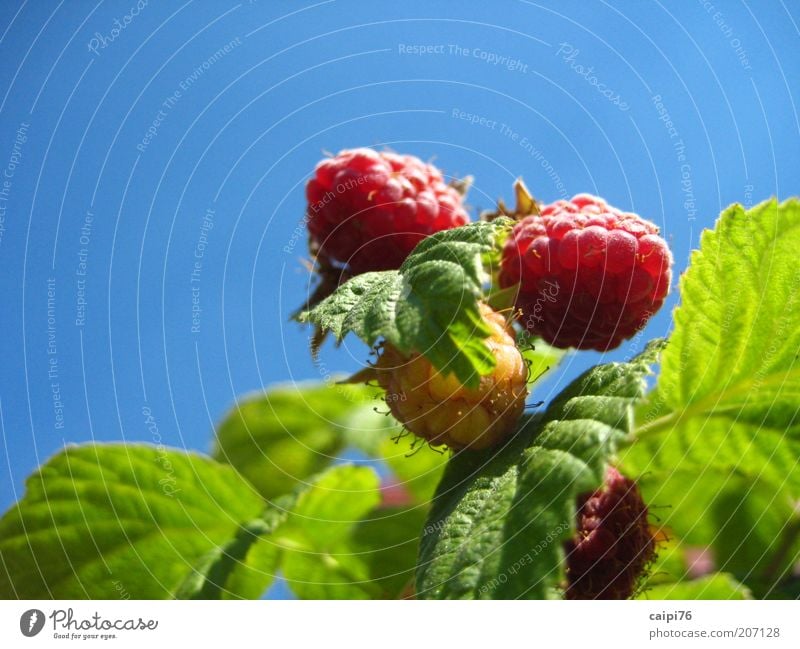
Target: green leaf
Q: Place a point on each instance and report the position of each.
(669, 565)
(97, 520)
(243, 567)
(716, 586)
(461, 543)
(364, 304)
(279, 438)
(718, 439)
(387, 541)
(340, 543)
(500, 516)
(733, 354)
(430, 305)
(330, 539)
(418, 470)
(250, 578)
(787, 589)
(751, 530)
(319, 560)
(370, 426)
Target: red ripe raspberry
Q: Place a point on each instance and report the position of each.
(368, 210)
(589, 275)
(613, 543)
(439, 409)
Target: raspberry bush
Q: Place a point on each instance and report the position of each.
(491, 485)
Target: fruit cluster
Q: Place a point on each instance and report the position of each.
(583, 274)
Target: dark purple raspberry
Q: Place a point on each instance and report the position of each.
(613, 544)
(368, 210)
(589, 275)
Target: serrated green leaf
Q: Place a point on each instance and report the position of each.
(500, 516)
(719, 437)
(100, 520)
(719, 585)
(734, 350)
(278, 438)
(462, 539)
(429, 306)
(365, 305)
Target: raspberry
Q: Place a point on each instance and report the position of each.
(441, 410)
(368, 210)
(613, 543)
(589, 275)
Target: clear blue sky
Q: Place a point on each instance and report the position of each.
(671, 109)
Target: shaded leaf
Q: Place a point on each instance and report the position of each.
(716, 586)
(719, 438)
(320, 561)
(101, 519)
(242, 568)
(278, 438)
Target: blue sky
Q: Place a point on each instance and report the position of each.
(135, 137)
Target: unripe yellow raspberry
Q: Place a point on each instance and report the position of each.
(441, 410)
